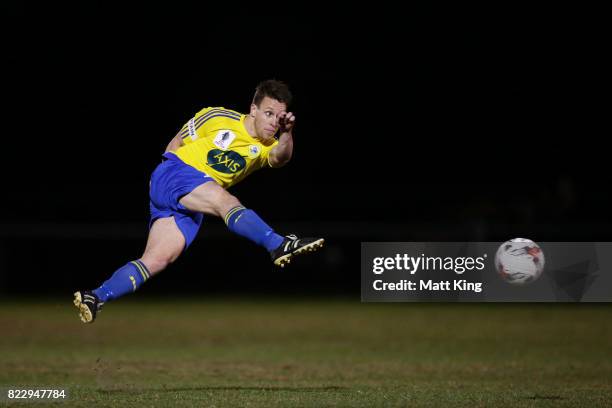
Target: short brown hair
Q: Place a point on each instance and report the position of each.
(272, 89)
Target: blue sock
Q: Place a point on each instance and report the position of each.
(248, 224)
(126, 279)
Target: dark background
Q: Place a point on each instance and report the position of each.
(412, 125)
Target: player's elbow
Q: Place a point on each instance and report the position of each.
(174, 144)
(275, 163)
(279, 160)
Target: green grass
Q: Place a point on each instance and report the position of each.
(228, 352)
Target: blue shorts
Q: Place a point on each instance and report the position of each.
(171, 180)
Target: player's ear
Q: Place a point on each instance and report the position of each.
(253, 110)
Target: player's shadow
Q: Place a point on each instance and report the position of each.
(228, 388)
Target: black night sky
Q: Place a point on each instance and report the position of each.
(420, 125)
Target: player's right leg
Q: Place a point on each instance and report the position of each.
(210, 198)
(164, 245)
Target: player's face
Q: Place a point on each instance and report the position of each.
(265, 117)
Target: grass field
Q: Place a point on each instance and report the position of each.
(229, 352)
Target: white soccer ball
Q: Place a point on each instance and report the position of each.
(519, 261)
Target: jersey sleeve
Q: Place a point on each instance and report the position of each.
(189, 131)
(264, 157)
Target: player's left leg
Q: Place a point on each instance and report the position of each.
(165, 243)
(172, 230)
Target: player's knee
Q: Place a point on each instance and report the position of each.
(225, 202)
(157, 265)
(221, 200)
(231, 202)
(158, 262)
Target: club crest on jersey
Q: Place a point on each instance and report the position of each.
(228, 162)
(254, 151)
(224, 139)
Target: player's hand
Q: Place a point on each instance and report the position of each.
(286, 120)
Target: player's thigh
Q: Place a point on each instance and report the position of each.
(164, 244)
(209, 198)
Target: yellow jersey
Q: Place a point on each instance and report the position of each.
(217, 143)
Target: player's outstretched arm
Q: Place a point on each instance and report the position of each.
(282, 152)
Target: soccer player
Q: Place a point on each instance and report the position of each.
(214, 150)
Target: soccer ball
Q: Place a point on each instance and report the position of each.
(519, 261)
